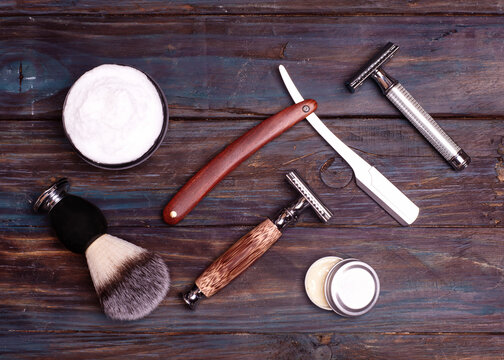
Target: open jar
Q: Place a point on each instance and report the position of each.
(349, 287)
(115, 116)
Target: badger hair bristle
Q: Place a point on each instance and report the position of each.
(129, 280)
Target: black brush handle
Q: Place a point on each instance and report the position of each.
(77, 222)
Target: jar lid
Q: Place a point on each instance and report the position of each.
(352, 288)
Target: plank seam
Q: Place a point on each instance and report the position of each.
(102, 15)
(174, 333)
(253, 117)
(298, 225)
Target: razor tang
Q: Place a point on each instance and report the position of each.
(368, 178)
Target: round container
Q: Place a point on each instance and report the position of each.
(142, 158)
(349, 287)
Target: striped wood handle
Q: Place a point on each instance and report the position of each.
(238, 258)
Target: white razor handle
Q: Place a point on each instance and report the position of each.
(381, 190)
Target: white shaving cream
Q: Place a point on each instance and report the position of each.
(113, 114)
(315, 280)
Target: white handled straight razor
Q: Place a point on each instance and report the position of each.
(368, 178)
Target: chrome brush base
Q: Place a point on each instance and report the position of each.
(53, 195)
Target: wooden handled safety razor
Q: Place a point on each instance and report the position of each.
(411, 109)
(254, 244)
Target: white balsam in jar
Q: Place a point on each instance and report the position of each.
(114, 115)
(349, 287)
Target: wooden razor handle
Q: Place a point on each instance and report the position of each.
(238, 258)
(235, 153)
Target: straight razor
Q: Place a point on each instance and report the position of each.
(368, 178)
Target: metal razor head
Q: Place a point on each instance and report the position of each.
(373, 65)
(300, 185)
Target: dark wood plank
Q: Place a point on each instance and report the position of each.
(253, 346)
(432, 280)
(227, 66)
(33, 154)
(315, 7)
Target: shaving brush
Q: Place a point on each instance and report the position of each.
(129, 280)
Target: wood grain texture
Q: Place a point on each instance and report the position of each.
(432, 280)
(225, 7)
(238, 258)
(285, 346)
(34, 154)
(228, 66)
(233, 155)
(217, 63)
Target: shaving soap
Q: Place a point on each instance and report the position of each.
(315, 278)
(113, 114)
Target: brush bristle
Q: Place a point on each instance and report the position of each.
(129, 280)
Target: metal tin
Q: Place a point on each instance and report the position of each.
(350, 287)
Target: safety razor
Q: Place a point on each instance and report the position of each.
(253, 245)
(410, 108)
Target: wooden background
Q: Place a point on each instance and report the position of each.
(442, 278)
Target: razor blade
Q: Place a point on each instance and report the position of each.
(309, 195)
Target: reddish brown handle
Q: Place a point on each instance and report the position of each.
(238, 258)
(235, 153)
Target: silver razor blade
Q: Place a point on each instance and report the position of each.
(369, 69)
(309, 195)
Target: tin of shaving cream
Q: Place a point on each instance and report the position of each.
(349, 287)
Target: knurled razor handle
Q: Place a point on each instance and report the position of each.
(427, 126)
(232, 156)
(406, 104)
(238, 258)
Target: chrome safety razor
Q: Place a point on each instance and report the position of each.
(252, 246)
(406, 104)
